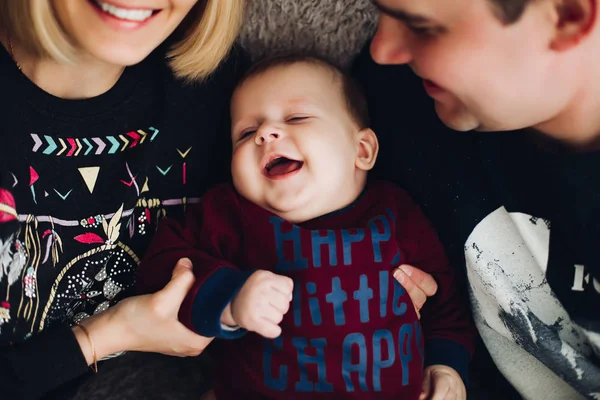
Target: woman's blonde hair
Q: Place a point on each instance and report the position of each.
(209, 32)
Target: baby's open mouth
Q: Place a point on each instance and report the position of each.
(280, 166)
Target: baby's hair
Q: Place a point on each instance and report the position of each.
(351, 91)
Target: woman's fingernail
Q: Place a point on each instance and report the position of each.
(407, 270)
(399, 276)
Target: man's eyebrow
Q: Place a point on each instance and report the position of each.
(399, 14)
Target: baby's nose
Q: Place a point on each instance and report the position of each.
(267, 136)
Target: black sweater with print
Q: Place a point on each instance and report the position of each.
(82, 185)
(520, 218)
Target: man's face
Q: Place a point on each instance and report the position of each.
(482, 74)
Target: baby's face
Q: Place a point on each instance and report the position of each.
(294, 142)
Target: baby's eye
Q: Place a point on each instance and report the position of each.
(246, 133)
(297, 118)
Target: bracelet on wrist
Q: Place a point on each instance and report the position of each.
(94, 365)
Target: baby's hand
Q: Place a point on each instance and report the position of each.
(262, 302)
(442, 382)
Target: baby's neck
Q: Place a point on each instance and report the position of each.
(342, 203)
(344, 208)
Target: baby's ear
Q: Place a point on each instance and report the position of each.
(368, 147)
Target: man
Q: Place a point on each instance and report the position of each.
(518, 200)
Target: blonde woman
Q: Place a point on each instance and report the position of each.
(111, 119)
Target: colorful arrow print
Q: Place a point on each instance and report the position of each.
(73, 147)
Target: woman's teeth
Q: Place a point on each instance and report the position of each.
(126, 14)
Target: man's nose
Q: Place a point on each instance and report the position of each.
(390, 44)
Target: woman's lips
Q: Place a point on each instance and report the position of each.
(118, 23)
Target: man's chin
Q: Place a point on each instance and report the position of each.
(457, 118)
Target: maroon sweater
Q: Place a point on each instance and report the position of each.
(351, 328)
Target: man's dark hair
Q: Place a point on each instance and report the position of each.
(351, 91)
(509, 11)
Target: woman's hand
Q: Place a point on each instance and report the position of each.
(146, 323)
(418, 284)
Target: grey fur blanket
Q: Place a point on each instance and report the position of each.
(334, 29)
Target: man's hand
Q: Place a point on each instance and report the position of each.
(418, 284)
(441, 382)
(262, 302)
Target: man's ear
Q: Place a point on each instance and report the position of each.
(575, 19)
(368, 147)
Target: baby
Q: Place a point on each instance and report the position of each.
(294, 262)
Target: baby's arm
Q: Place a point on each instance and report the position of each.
(210, 238)
(224, 297)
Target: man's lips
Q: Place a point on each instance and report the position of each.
(431, 87)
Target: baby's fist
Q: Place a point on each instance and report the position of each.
(441, 382)
(262, 302)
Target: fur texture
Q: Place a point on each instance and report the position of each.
(333, 29)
